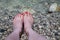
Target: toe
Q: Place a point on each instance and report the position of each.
(18, 20)
(26, 13)
(22, 17)
(17, 16)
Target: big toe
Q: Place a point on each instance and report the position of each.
(18, 18)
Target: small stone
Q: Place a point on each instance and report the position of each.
(53, 7)
(59, 33)
(53, 38)
(7, 27)
(47, 37)
(3, 37)
(5, 17)
(40, 26)
(46, 3)
(5, 32)
(56, 34)
(59, 28)
(0, 33)
(10, 17)
(6, 35)
(54, 31)
(9, 30)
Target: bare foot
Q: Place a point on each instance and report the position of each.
(28, 22)
(17, 26)
(17, 22)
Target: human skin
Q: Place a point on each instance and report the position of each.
(17, 26)
(28, 22)
(13, 36)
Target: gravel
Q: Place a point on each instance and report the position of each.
(45, 23)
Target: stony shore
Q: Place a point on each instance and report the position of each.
(45, 23)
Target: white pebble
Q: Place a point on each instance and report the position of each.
(53, 7)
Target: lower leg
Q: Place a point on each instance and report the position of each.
(28, 21)
(35, 36)
(14, 35)
(32, 35)
(17, 26)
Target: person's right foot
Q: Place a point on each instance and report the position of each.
(17, 22)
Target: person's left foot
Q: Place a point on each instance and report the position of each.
(17, 22)
(28, 21)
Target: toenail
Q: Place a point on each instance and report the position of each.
(26, 12)
(21, 13)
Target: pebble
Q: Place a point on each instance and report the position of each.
(0, 33)
(59, 28)
(40, 26)
(53, 39)
(5, 32)
(5, 17)
(3, 37)
(39, 10)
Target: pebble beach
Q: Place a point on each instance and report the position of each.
(45, 23)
